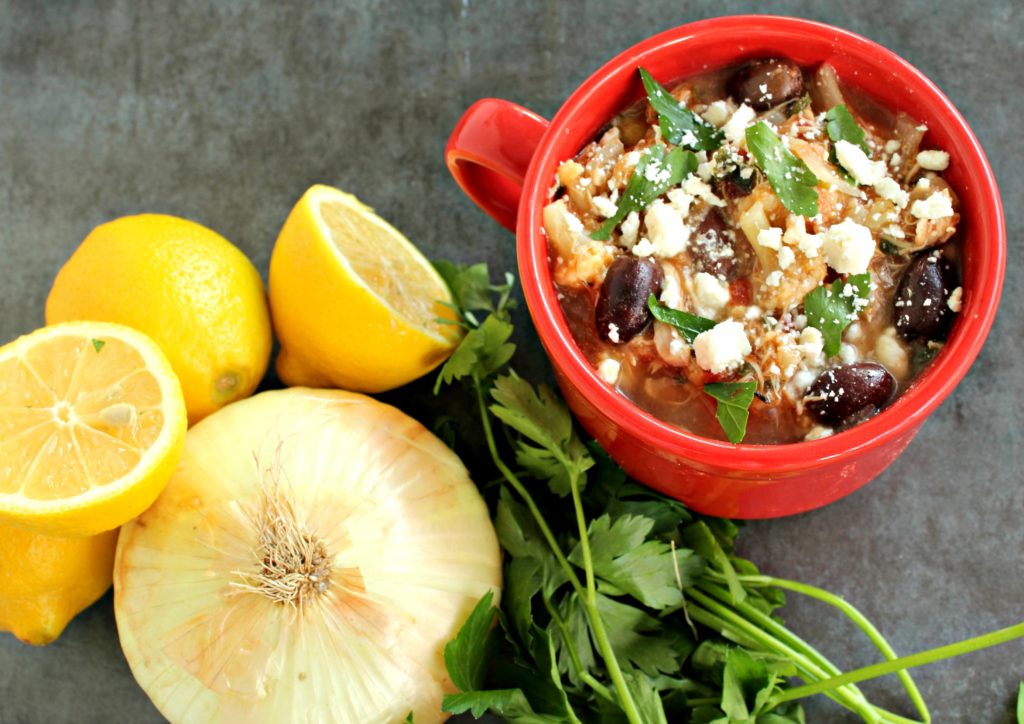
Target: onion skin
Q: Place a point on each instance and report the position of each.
(410, 546)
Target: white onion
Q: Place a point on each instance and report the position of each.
(375, 546)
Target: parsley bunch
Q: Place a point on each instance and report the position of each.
(620, 604)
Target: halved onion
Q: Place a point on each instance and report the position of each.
(307, 562)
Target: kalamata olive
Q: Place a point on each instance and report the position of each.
(921, 307)
(719, 250)
(622, 311)
(850, 393)
(764, 84)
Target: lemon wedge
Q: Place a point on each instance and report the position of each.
(354, 303)
(92, 424)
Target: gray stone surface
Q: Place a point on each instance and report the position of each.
(226, 112)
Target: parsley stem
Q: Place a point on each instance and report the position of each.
(589, 596)
(787, 637)
(850, 697)
(873, 634)
(598, 688)
(521, 490)
(611, 662)
(993, 638)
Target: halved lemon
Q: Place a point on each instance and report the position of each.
(92, 424)
(354, 303)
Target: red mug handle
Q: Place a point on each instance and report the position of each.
(488, 154)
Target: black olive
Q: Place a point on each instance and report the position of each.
(921, 306)
(850, 394)
(764, 84)
(622, 311)
(719, 250)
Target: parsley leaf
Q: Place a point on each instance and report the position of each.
(744, 677)
(482, 352)
(679, 125)
(97, 344)
(842, 126)
(623, 556)
(628, 627)
(504, 702)
(831, 309)
(733, 408)
(700, 537)
(791, 180)
(689, 325)
(654, 174)
(468, 654)
(538, 415)
(472, 290)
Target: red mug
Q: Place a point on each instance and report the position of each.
(504, 157)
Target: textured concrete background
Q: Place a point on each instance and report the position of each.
(226, 114)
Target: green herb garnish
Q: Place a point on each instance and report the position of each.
(689, 325)
(654, 174)
(733, 408)
(831, 309)
(889, 248)
(679, 125)
(97, 344)
(1020, 704)
(791, 180)
(841, 126)
(466, 656)
(619, 604)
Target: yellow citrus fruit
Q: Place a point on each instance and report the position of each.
(92, 424)
(354, 303)
(45, 581)
(185, 286)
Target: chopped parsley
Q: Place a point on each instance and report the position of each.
(655, 173)
(841, 126)
(689, 325)
(679, 125)
(791, 180)
(97, 344)
(733, 409)
(831, 309)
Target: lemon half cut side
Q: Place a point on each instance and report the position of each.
(354, 303)
(92, 424)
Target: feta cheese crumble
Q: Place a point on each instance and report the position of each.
(956, 300)
(717, 113)
(890, 190)
(770, 238)
(937, 206)
(848, 247)
(736, 127)
(786, 257)
(711, 292)
(864, 171)
(666, 231)
(604, 206)
(811, 347)
(608, 370)
(933, 160)
(722, 348)
(630, 227)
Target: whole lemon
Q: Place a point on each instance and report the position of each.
(185, 286)
(46, 581)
